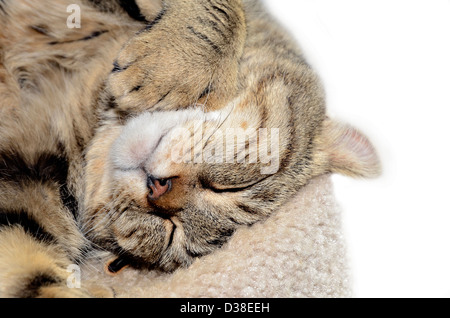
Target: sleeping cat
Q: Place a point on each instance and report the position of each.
(154, 131)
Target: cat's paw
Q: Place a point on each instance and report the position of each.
(157, 71)
(185, 56)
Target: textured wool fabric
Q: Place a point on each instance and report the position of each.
(298, 252)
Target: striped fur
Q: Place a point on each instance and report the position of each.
(86, 116)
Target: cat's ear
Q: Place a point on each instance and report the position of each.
(345, 150)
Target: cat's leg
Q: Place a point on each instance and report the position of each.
(40, 242)
(187, 54)
(32, 265)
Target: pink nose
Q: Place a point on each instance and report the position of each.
(158, 187)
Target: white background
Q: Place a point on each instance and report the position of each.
(385, 65)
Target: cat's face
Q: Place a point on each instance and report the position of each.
(164, 188)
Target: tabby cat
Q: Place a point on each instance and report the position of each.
(153, 131)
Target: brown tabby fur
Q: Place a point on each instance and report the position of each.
(69, 96)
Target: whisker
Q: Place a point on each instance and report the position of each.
(219, 126)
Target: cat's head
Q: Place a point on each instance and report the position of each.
(164, 188)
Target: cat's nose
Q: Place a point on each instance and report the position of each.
(158, 187)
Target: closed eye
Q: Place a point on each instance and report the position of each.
(219, 188)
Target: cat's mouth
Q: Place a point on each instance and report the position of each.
(170, 224)
(156, 241)
(173, 228)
